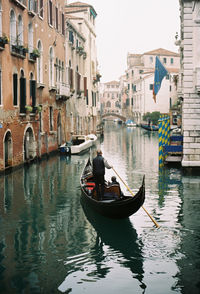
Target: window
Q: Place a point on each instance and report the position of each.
(164, 60)
(172, 60)
(41, 8)
(32, 5)
(56, 18)
(151, 59)
(30, 37)
(108, 104)
(0, 86)
(51, 118)
(13, 31)
(71, 37)
(51, 68)
(132, 101)
(56, 66)
(63, 24)
(22, 92)
(39, 64)
(167, 77)
(32, 90)
(20, 31)
(15, 89)
(151, 87)
(59, 71)
(0, 19)
(62, 72)
(50, 13)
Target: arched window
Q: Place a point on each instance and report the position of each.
(0, 19)
(13, 33)
(62, 79)
(59, 78)
(32, 89)
(108, 104)
(39, 64)
(20, 39)
(22, 92)
(56, 65)
(30, 37)
(51, 67)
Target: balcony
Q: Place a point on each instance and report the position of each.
(63, 92)
(20, 3)
(19, 51)
(197, 86)
(32, 7)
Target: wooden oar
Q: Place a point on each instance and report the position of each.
(153, 220)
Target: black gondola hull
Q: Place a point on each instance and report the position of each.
(121, 208)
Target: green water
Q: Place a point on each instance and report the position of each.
(49, 244)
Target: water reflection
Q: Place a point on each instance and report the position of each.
(49, 244)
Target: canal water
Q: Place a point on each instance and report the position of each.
(49, 244)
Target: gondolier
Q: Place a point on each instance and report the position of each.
(111, 206)
(99, 164)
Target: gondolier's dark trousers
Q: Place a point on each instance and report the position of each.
(99, 186)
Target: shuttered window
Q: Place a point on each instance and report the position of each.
(33, 92)
(71, 79)
(15, 89)
(22, 95)
(63, 24)
(78, 81)
(85, 86)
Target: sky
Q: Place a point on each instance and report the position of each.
(132, 26)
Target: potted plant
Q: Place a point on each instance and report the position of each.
(39, 108)
(29, 108)
(5, 39)
(36, 52)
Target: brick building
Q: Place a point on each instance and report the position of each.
(40, 92)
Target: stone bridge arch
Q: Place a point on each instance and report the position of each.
(113, 114)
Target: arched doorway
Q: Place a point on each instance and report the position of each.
(8, 149)
(59, 130)
(29, 145)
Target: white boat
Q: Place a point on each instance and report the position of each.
(130, 123)
(78, 144)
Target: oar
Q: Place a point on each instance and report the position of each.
(153, 220)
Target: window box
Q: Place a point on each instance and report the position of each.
(19, 50)
(4, 40)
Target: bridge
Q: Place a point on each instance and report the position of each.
(113, 114)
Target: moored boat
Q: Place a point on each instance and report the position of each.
(114, 203)
(130, 123)
(78, 144)
(149, 127)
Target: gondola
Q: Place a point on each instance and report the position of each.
(114, 203)
(150, 127)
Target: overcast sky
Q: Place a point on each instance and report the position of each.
(134, 26)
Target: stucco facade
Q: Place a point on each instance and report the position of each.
(189, 82)
(140, 80)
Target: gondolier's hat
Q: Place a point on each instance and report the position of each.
(99, 152)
